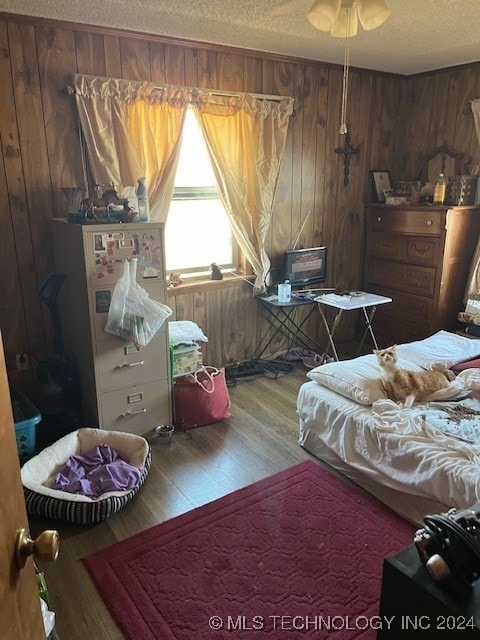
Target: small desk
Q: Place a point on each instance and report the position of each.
(282, 316)
(350, 303)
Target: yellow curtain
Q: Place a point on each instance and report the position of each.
(246, 140)
(133, 130)
(473, 282)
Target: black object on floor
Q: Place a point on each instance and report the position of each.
(253, 369)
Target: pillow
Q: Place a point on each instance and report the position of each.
(357, 379)
(470, 364)
(183, 331)
(443, 349)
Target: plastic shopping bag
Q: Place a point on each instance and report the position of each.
(133, 315)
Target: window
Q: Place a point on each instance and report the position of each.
(197, 231)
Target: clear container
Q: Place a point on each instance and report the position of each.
(284, 292)
(143, 205)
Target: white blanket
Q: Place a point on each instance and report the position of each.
(392, 446)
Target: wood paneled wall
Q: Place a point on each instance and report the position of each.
(393, 121)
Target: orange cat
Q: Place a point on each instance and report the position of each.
(406, 386)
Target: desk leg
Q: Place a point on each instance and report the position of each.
(368, 327)
(285, 321)
(331, 332)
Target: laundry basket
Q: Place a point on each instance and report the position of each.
(26, 417)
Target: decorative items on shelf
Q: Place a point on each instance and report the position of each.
(409, 190)
(426, 193)
(74, 196)
(380, 183)
(106, 206)
(216, 272)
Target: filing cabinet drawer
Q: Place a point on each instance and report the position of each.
(120, 364)
(136, 409)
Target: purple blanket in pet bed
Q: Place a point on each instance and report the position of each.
(96, 472)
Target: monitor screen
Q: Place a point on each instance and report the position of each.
(304, 267)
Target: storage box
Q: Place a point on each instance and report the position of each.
(185, 358)
(26, 417)
(461, 190)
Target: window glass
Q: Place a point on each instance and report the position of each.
(197, 231)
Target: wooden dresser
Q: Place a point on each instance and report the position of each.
(420, 257)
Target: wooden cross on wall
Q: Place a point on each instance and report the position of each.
(348, 150)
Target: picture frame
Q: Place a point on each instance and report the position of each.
(98, 244)
(380, 182)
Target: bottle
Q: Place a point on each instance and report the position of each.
(142, 196)
(440, 190)
(284, 293)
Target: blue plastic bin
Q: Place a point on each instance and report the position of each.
(28, 417)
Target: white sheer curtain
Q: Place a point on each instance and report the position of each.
(246, 141)
(133, 129)
(473, 282)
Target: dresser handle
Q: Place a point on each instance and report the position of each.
(387, 245)
(379, 219)
(132, 413)
(417, 307)
(420, 250)
(429, 223)
(129, 364)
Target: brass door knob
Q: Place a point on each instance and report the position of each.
(45, 547)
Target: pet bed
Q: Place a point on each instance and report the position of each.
(39, 472)
(398, 454)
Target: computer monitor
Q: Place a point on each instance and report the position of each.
(304, 267)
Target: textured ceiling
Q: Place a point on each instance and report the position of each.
(420, 35)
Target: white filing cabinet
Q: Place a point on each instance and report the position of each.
(122, 388)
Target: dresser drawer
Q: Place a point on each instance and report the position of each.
(386, 245)
(421, 222)
(136, 409)
(389, 330)
(401, 277)
(120, 364)
(422, 250)
(407, 305)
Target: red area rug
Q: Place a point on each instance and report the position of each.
(297, 555)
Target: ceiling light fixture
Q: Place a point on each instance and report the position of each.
(340, 18)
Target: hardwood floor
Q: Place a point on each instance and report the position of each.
(259, 440)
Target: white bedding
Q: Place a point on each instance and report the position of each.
(397, 454)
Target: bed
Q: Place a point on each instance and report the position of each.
(421, 460)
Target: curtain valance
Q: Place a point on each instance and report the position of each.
(133, 129)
